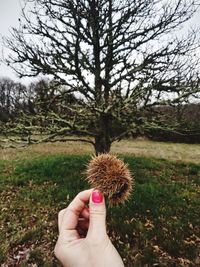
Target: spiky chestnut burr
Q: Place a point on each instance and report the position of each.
(111, 176)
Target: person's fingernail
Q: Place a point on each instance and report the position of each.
(97, 197)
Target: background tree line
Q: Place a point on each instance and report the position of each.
(37, 109)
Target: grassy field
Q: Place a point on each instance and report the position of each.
(143, 148)
(158, 226)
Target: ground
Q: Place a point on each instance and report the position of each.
(160, 221)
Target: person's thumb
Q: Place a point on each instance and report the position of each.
(97, 221)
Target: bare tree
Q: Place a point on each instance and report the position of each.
(118, 56)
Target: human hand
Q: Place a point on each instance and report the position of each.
(83, 241)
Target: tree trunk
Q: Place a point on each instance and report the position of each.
(102, 140)
(102, 145)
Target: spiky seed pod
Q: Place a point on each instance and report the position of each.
(111, 176)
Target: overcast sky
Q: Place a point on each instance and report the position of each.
(10, 12)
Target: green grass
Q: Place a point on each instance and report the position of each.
(158, 226)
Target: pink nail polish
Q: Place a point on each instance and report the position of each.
(97, 197)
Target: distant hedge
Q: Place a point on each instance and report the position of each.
(187, 119)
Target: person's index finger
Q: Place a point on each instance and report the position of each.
(71, 215)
